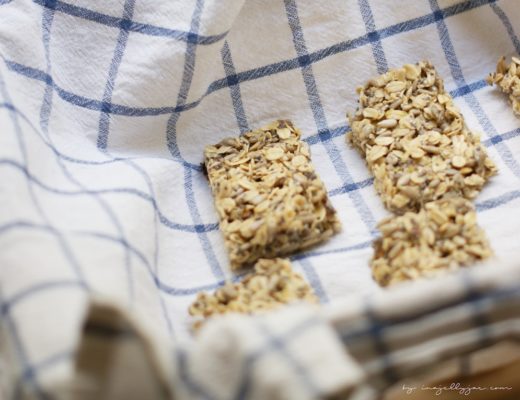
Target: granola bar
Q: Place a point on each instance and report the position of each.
(415, 141)
(507, 77)
(272, 284)
(443, 236)
(268, 197)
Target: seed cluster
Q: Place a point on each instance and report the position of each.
(507, 77)
(272, 284)
(442, 236)
(426, 164)
(268, 197)
(415, 141)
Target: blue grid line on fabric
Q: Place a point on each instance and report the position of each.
(244, 76)
(359, 246)
(164, 287)
(234, 88)
(171, 140)
(19, 348)
(462, 300)
(45, 113)
(211, 257)
(180, 359)
(312, 139)
(464, 90)
(376, 334)
(7, 304)
(349, 187)
(458, 75)
(496, 202)
(321, 123)
(103, 130)
(270, 345)
(328, 134)
(149, 183)
(483, 206)
(173, 291)
(92, 104)
(485, 337)
(104, 126)
(314, 280)
(478, 315)
(507, 24)
(118, 109)
(187, 77)
(76, 267)
(32, 370)
(279, 344)
(192, 228)
(214, 226)
(375, 42)
(319, 114)
(121, 42)
(127, 24)
(347, 338)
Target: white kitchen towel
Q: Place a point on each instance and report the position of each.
(106, 106)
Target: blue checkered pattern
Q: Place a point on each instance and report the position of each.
(105, 167)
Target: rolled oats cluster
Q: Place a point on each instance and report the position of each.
(268, 197)
(507, 77)
(272, 284)
(415, 141)
(442, 236)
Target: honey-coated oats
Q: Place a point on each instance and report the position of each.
(272, 284)
(269, 200)
(507, 77)
(442, 236)
(415, 141)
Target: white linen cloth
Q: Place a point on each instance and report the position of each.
(106, 106)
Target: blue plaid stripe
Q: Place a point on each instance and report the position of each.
(20, 350)
(252, 74)
(275, 342)
(472, 101)
(375, 41)
(319, 115)
(122, 40)
(234, 88)
(189, 66)
(127, 25)
(507, 24)
(74, 263)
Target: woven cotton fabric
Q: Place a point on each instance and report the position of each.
(106, 107)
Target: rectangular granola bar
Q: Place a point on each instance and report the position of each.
(272, 284)
(268, 197)
(415, 141)
(443, 236)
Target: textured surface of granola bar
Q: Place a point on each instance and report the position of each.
(272, 284)
(443, 236)
(268, 197)
(415, 141)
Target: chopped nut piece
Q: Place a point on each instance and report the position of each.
(443, 236)
(255, 180)
(272, 284)
(407, 123)
(507, 77)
